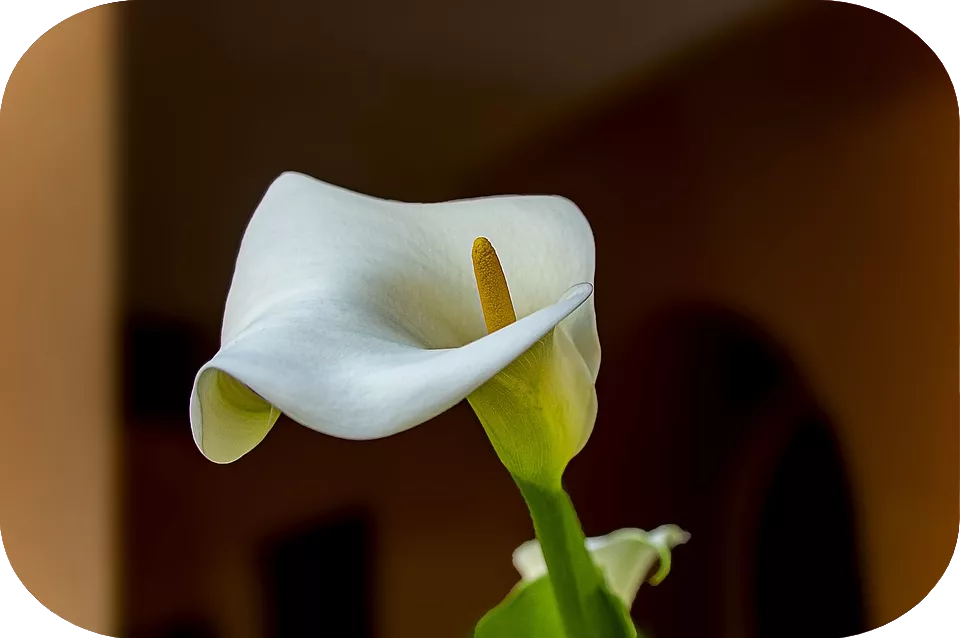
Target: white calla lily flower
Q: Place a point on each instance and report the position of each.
(625, 557)
(360, 318)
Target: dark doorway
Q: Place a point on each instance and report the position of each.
(317, 581)
(807, 581)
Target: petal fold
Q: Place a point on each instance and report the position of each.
(376, 386)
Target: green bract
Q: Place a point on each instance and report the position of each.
(538, 411)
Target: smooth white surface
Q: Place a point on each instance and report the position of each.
(359, 317)
(625, 557)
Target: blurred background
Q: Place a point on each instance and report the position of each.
(773, 190)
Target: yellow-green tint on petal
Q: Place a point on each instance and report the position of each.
(537, 411)
(495, 298)
(234, 417)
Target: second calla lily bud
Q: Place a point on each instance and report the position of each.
(626, 558)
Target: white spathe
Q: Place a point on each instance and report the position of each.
(625, 557)
(359, 317)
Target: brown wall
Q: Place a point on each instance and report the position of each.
(805, 176)
(57, 216)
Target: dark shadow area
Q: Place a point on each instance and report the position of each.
(317, 581)
(807, 571)
(187, 627)
(161, 358)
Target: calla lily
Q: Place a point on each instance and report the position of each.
(360, 318)
(625, 557)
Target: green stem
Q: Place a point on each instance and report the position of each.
(577, 583)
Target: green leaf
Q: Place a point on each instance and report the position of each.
(530, 611)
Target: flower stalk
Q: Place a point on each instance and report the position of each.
(587, 609)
